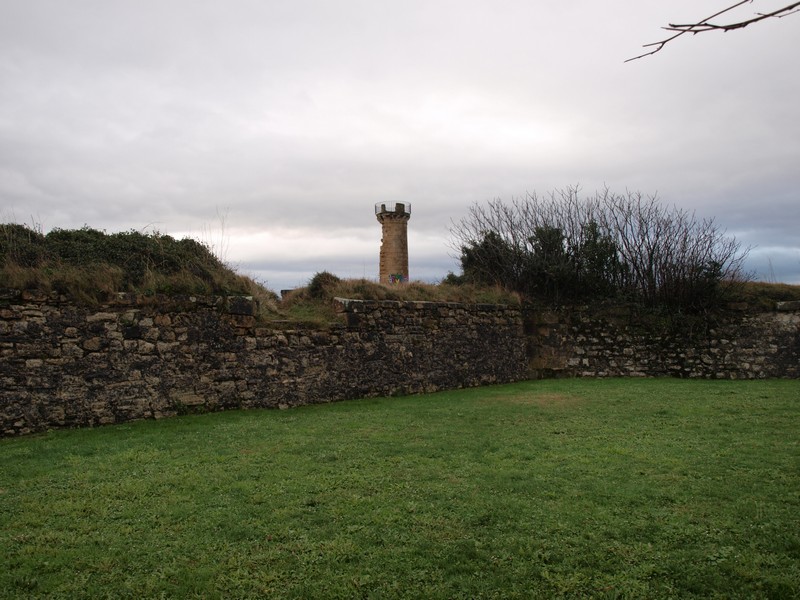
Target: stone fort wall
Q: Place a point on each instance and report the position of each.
(620, 341)
(63, 365)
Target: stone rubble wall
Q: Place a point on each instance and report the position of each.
(620, 342)
(63, 365)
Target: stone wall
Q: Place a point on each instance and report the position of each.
(618, 341)
(63, 365)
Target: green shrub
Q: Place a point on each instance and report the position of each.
(21, 246)
(322, 285)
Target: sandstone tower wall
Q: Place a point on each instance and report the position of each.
(394, 243)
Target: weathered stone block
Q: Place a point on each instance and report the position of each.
(187, 398)
(101, 316)
(94, 344)
(71, 350)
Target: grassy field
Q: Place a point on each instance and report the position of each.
(569, 488)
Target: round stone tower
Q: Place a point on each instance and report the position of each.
(394, 244)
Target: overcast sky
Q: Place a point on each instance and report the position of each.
(269, 129)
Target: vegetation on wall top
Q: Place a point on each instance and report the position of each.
(313, 302)
(505, 260)
(88, 265)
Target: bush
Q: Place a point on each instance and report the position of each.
(87, 265)
(21, 246)
(323, 285)
(565, 249)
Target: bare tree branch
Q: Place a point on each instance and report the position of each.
(705, 26)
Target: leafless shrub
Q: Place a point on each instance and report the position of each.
(563, 248)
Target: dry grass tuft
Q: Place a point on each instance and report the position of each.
(762, 295)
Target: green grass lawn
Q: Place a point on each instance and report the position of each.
(570, 488)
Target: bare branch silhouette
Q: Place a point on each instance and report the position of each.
(705, 26)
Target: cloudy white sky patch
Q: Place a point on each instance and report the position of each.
(294, 118)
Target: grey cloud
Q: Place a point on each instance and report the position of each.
(304, 114)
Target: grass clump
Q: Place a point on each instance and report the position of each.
(554, 489)
(762, 295)
(322, 286)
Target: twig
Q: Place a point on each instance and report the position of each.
(704, 25)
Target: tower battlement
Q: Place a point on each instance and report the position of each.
(393, 208)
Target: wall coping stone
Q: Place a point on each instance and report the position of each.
(356, 305)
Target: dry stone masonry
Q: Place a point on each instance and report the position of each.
(69, 366)
(617, 341)
(63, 365)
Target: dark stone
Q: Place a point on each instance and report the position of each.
(241, 305)
(132, 332)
